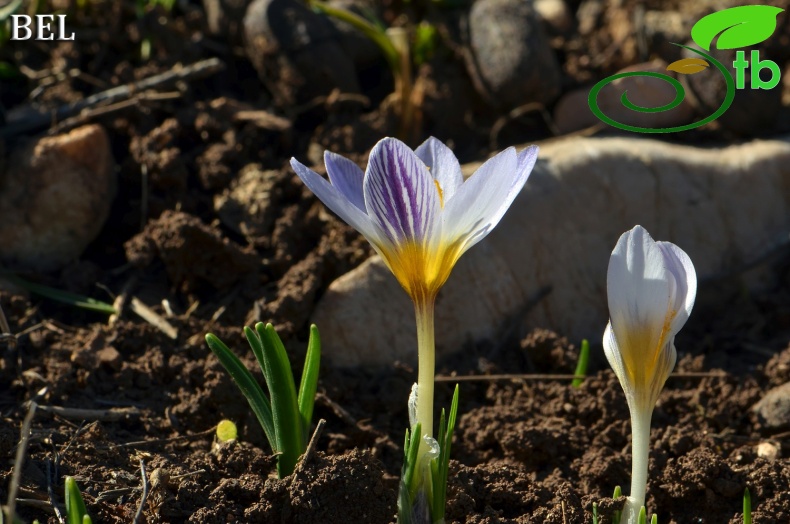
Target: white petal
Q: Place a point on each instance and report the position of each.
(527, 159)
(641, 295)
(443, 165)
(400, 194)
(346, 177)
(481, 201)
(679, 265)
(615, 358)
(337, 202)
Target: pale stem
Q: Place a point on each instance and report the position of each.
(425, 374)
(640, 456)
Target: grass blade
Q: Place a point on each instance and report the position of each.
(747, 507)
(445, 445)
(75, 506)
(71, 299)
(285, 410)
(581, 366)
(258, 400)
(257, 349)
(309, 382)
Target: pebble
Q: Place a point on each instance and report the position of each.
(724, 206)
(296, 52)
(773, 409)
(57, 193)
(513, 57)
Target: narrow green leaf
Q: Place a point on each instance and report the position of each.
(257, 399)
(747, 507)
(654, 519)
(581, 366)
(445, 446)
(257, 349)
(75, 506)
(410, 456)
(309, 383)
(617, 515)
(642, 516)
(595, 513)
(62, 296)
(285, 410)
(86, 519)
(741, 26)
(405, 495)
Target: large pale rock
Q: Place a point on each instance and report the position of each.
(55, 197)
(724, 207)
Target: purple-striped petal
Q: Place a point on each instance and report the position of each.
(346, 177)
(337, 202)
(400, 194)
(443, 165)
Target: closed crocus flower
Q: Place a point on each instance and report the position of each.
(651, 287)
(420, 215)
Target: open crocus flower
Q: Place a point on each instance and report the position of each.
(651, 287)
(420, 215)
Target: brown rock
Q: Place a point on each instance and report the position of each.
(55, 197)
(774, 408)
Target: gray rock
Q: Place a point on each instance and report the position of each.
(774, 408)
(725, 207)
(296, 52)
(512, 55)
(55, 197)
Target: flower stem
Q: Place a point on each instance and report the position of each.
(426, 357)
(640, 457)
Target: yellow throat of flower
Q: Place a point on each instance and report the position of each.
(421, 269)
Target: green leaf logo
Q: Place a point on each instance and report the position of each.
(739, 26)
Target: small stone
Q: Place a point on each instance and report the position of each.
(296, 52)
(774, 408)
(513, 57)
(110, 357)
(56, 195)
(768, 451)
(555, 13)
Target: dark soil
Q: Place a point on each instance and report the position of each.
(189, 239)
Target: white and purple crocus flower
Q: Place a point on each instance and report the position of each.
(651, 287)
(420, 215)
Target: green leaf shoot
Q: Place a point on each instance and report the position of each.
(581, 366)
(75, 506)
(285, 410)
(309, 383)
(257, 399)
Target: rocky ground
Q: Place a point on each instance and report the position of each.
(178, 195)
